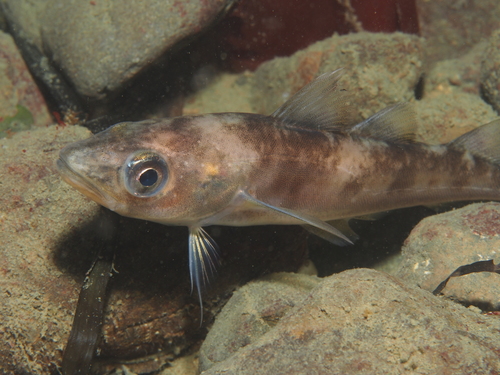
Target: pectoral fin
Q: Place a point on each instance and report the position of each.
(320, 225)
(203, 260)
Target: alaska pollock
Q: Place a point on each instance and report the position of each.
(307, 164)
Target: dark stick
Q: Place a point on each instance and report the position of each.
(58, 93)
(481, 266)
(86, 329)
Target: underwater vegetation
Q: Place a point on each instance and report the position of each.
(22, 120)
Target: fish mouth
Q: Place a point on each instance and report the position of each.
(70, 176)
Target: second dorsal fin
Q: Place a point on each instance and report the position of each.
(483, 141)
(395, 123)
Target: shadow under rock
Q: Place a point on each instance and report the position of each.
(378, 240)
(150, 308)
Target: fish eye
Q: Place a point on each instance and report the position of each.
(146, 173)
(148, 177)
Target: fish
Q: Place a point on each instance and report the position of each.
(308, 163)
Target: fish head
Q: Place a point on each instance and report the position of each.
(170, 171)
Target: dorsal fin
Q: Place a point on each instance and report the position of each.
(395, 123)
(318, 105)
(483, 142)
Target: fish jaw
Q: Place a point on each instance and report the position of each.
(74, 167)
(75, 180)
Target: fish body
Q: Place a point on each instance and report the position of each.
(305, 164)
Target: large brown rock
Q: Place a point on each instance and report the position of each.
(367, 322)
(38, 298)
(101, 44)
(379, 70)
(440, 244)
(490, 71)
(252, 311)
(452, 27)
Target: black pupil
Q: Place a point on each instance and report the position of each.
(148, 177)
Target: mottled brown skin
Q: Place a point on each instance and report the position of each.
(212, 159)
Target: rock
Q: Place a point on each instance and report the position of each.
(367, 322)
(373, 64)
(371, 70)
(226, 93)
(27, 16)
(444, 116)
(252, 311)
(37, 299)
(21, 103)
(451, 28)
(440, 244)
(462, 73)
(100, 45)
(490, 76)
(451, 104)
